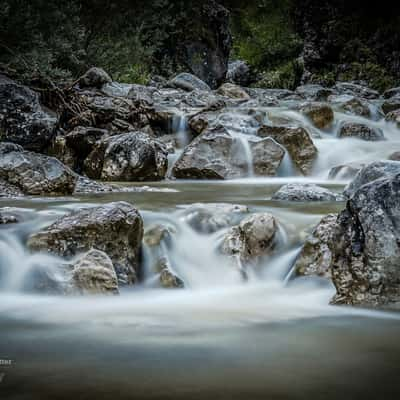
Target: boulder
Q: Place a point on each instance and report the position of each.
(167, 278)
(391, 104)
(253, 238)
(95, 77)
(314, 92)
(188, 82)
(345, 171)
(296, 141)
(22, 119)
(351, 105)
(35, 174)
(354, 89)
(216, 154)
(114, 228)
(239, 73)
(391, 93)
(315, 258)
(211, 217)
(320, 114)
(233, 91)
(94, 273)
(366, 246)
(133, 156)
(305, 192)
(394, 116)
(372, 172)
(360, 131)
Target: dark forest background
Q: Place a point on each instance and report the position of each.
(133, 40)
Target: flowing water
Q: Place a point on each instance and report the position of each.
(270, 337)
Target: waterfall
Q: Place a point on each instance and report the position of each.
(247, 153)
(180, 128)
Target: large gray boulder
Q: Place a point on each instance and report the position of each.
(22, 119)
(114, 228)
(372, 172)
(216, 154)
(305, 192)
(189, 82)
(366, 246)
(315, 258)
(297, 142)
(33, 173)
(133, 156)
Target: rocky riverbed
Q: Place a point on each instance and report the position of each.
(183, 206)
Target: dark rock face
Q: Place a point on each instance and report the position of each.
(305, 192)
(360, 131)
(366, 246)
(370, 173)
(132, 156)
(22, 119)
(34, 174)
(114, 228)
(297, 142)
(216, 154)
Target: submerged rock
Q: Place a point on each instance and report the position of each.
(94, 273)
(370, 173)
(167, 279)
(253, 238)
(22, 119)
(35, 174)
(315, 258)
(189, 82)
(212, 217)
(345, 171)
(7, 218)
(216, 154)
(320, 114)
(366, 245)
(351, 104)
(297, 142)
(132, 156)
(115, 228)
(305, 192)
(360, 131)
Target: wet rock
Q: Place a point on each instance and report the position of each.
(157, 234)
(239, 72)
(360, 131)
(365, 246)
(370, 173)
(253, 238)
(7, 190)
(7, 218)
(216, 154)
(22, 119)
(189, 82)
(297, 142)
(133, 156)
(345, 171)
(233, 91)
(320, 114)
(211, 217)
(94, 273)
(167, 279)
(315, 258)
(394, 156)
(314, 92)
(95, 77)
(354, 89)
(115, 228)
(34, 173)
(351, 105)
(391, 104)
(204, 100)
(305, 192)
(391, 93)
(394, 116)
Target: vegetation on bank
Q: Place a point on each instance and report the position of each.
(133, 40)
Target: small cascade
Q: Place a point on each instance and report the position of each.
(287, 168)
(247, 153)
(180, 127)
